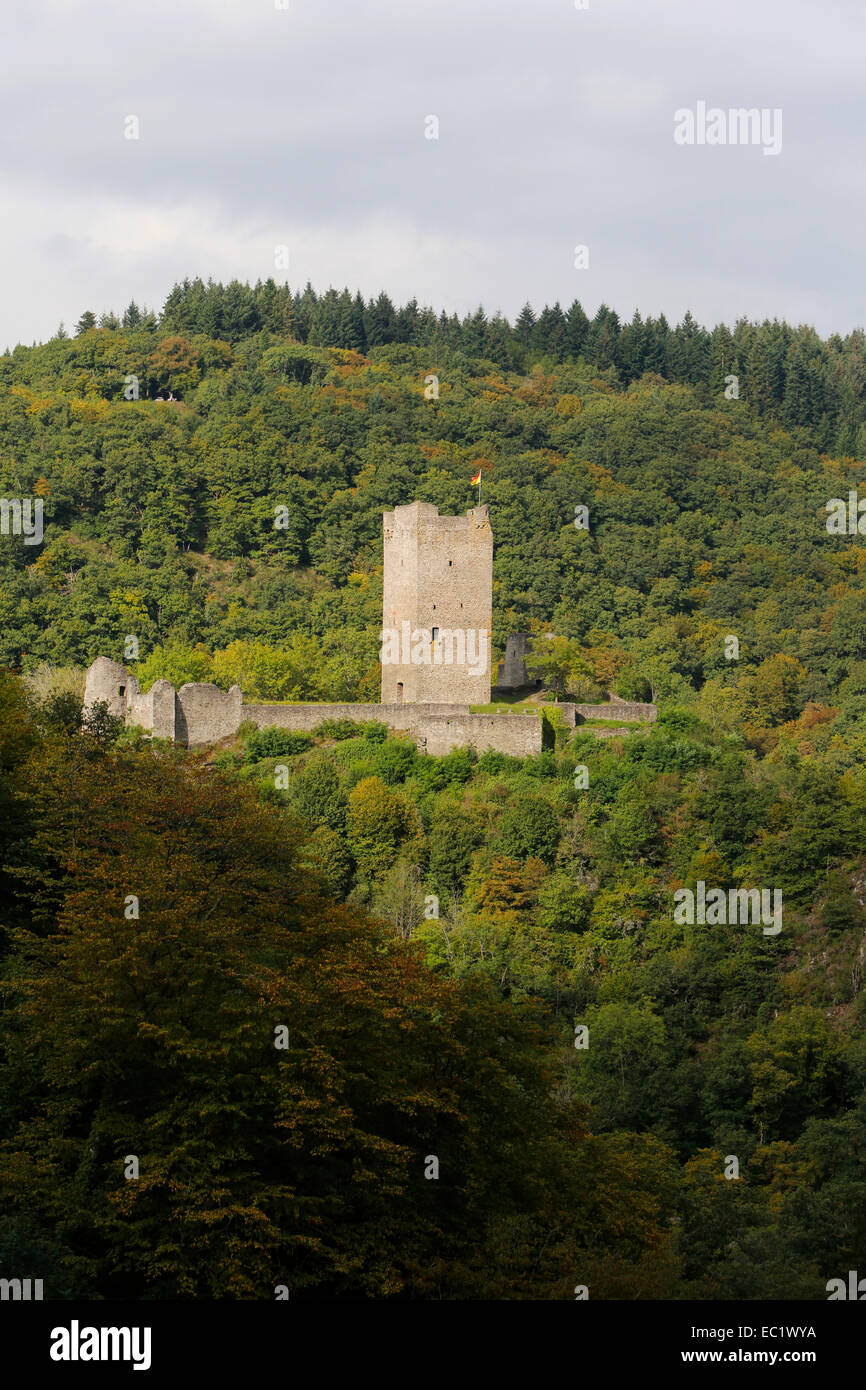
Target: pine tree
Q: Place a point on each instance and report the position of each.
(602, 346)
(524, 325)
(577, 327)
(380, 321)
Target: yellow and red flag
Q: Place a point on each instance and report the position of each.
(477, 478)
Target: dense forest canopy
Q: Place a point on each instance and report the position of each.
(447, 1030)
(707, 513)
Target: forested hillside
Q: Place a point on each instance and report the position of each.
(707, 515)
(433, 931)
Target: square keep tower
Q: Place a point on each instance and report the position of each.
(437, 605)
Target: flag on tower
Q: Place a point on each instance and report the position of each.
(477, 478)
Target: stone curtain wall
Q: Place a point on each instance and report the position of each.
(618, 709)
(199, 714)
(307, 717)
(517, 734)
(436, 728)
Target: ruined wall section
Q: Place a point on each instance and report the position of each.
(513, 674)
(199, 714)
(435, 728)
(110, 682)
(519, 735)
(305, 718)
(206, 713)
(617, 709)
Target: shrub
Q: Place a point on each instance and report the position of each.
(435, 774)
(339, 729)
(544, 765)
(276, 743)
(394, 761)
(374, 732)
(495, 763)
(529, 827)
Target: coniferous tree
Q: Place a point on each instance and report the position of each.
(577, 325)
(524, 325)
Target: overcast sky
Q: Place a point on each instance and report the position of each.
(305, 126)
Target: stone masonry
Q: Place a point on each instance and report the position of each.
(437, 595)
(513, 674)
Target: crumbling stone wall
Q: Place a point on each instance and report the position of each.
(307, 717)
(206, 713)
(617, 709)
(517, 734)
(199, 714)
(513, 674)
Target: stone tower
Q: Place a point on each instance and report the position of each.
(436, 606)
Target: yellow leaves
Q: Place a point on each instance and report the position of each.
(131, 606)
(495, 384)
(45, 567)
(347, 360)
(34, 404)
(569, 407)
(340, 396)
(538, 389)
(89, 412)
(605, 484)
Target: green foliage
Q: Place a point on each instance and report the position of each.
(275, 743)
(707, 519)
(529, 827)
(374, 731)
(454, 835)
(100, 724)
(452, 769)
(394, 761)
(158, 1036)
(378, 822)
(338, 729)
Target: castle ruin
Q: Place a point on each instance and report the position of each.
(436, 631)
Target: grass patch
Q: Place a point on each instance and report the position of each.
(506, 709)
(613, 724)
